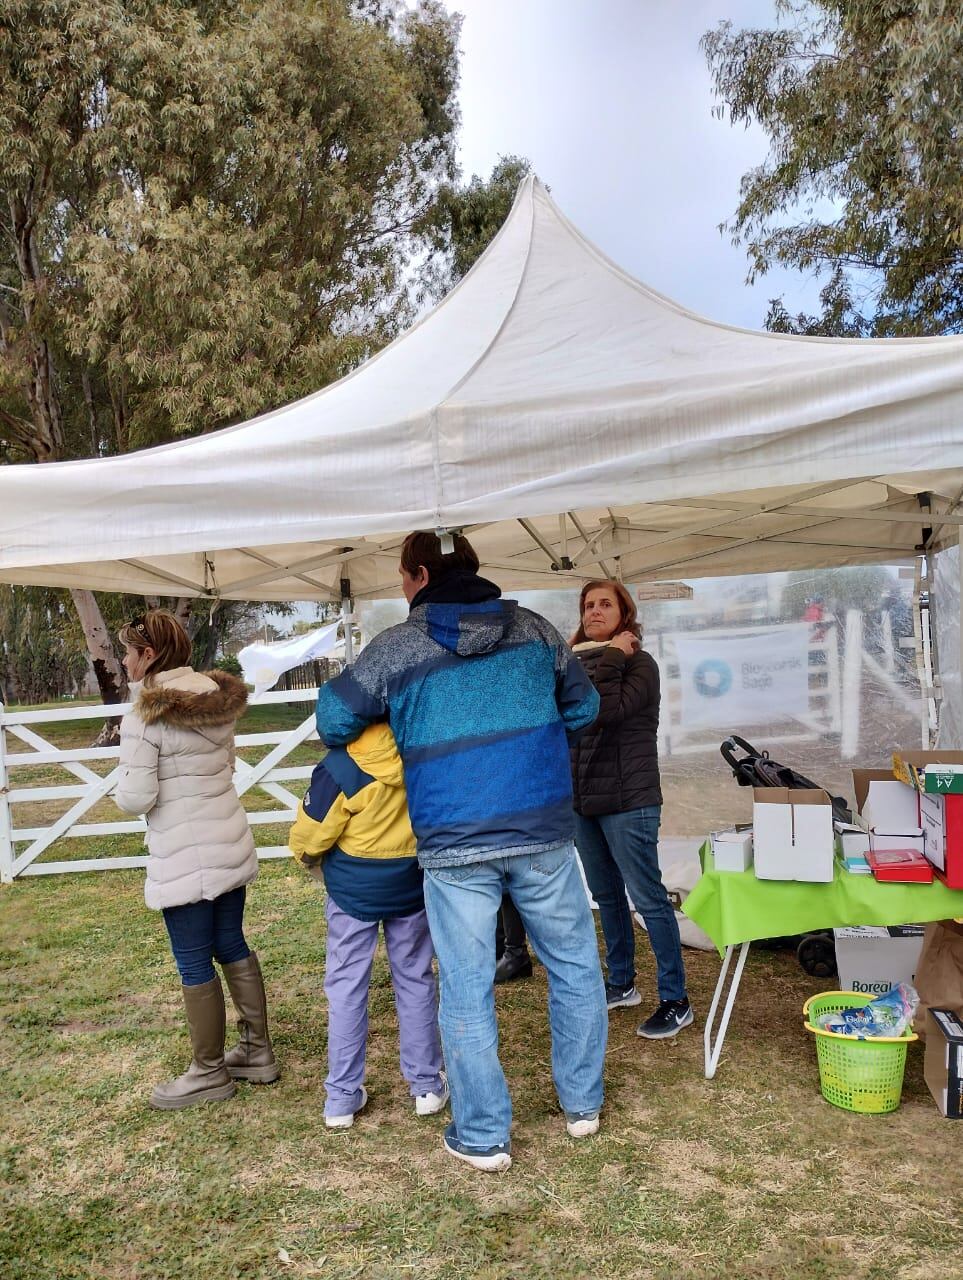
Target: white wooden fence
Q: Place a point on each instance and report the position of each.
(22, 846)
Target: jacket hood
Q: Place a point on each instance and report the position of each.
(462, 612)
(192, 699)
(466, 629)
(377, 753)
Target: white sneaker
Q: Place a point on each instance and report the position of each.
(495, 1160)
(582, 1126)
(429, 1104)
(345, 1122)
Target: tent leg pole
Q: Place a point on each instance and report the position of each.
(957, 685)
(347, 617)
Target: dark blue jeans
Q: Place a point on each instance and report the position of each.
(620, 851)
(202, 932)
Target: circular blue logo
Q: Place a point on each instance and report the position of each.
(713, 678)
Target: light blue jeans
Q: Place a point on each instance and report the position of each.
(462, 904)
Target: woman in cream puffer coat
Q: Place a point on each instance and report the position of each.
(176, 768)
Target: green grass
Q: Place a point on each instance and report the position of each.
(750, 1175)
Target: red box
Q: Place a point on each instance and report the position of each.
(942, 818)
(907, 866)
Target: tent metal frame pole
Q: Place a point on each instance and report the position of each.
(165, 576)
(282, 572)
(288, 571)
(708, 526)
(785, 536)
(347, 618)
(540, 542)
(587, 538)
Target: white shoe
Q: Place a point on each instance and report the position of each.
(429, 1104)
(492, 1162)
(345, 1122)
(583, 1126)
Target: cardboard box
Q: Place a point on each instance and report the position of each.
(874, 959)
(943, 779)
(943, 1061)
(941, 808)
(900, 866)
(792, 834)
(943, 836)
(878, 843)
(852, 842)
(732, 849)
(891, 808)
(914, 766)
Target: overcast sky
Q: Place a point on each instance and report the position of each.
(611, 101)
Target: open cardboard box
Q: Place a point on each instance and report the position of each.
(888, 806)
(793, 834)
(873, 959)
(943, 1061)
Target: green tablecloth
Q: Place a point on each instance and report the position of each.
(733, 906)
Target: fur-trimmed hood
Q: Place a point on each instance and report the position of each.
(192, 699)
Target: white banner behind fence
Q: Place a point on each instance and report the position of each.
(745, 680)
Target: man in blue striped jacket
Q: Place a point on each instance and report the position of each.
(483, 698)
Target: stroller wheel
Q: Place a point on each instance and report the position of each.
(816, 954)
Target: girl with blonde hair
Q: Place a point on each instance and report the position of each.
(176, 768)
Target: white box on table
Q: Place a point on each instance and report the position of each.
(878, 843)
(732, 850)
(793, 834)
(853, 842)
(887, 806)
(874, 959)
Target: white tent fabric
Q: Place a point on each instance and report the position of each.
(558, 409)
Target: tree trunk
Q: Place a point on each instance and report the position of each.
(91, 414)
(118, 403)
(182, 612)
(111, 679)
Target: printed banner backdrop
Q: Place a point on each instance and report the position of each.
(732, 683)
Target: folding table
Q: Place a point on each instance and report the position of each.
(735, 909)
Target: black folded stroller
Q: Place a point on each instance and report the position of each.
(816, 952)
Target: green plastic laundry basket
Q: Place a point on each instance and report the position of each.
(858, 1075)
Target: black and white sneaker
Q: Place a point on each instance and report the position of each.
(621, 997)
(668, 1020)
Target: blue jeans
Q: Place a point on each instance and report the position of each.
(620, 851)
(462, 904)
(202, 932)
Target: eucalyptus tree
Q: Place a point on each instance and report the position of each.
(862, 103)
(206, 210)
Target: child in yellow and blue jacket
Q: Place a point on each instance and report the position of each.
(353, 829)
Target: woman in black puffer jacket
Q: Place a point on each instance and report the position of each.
(618, 805)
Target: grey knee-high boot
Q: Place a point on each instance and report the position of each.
(206, 1079)
(253, 1056)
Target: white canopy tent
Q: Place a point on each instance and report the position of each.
(558, 410)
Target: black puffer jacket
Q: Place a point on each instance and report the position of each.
(615, 763)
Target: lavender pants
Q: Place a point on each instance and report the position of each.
(347, 975)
